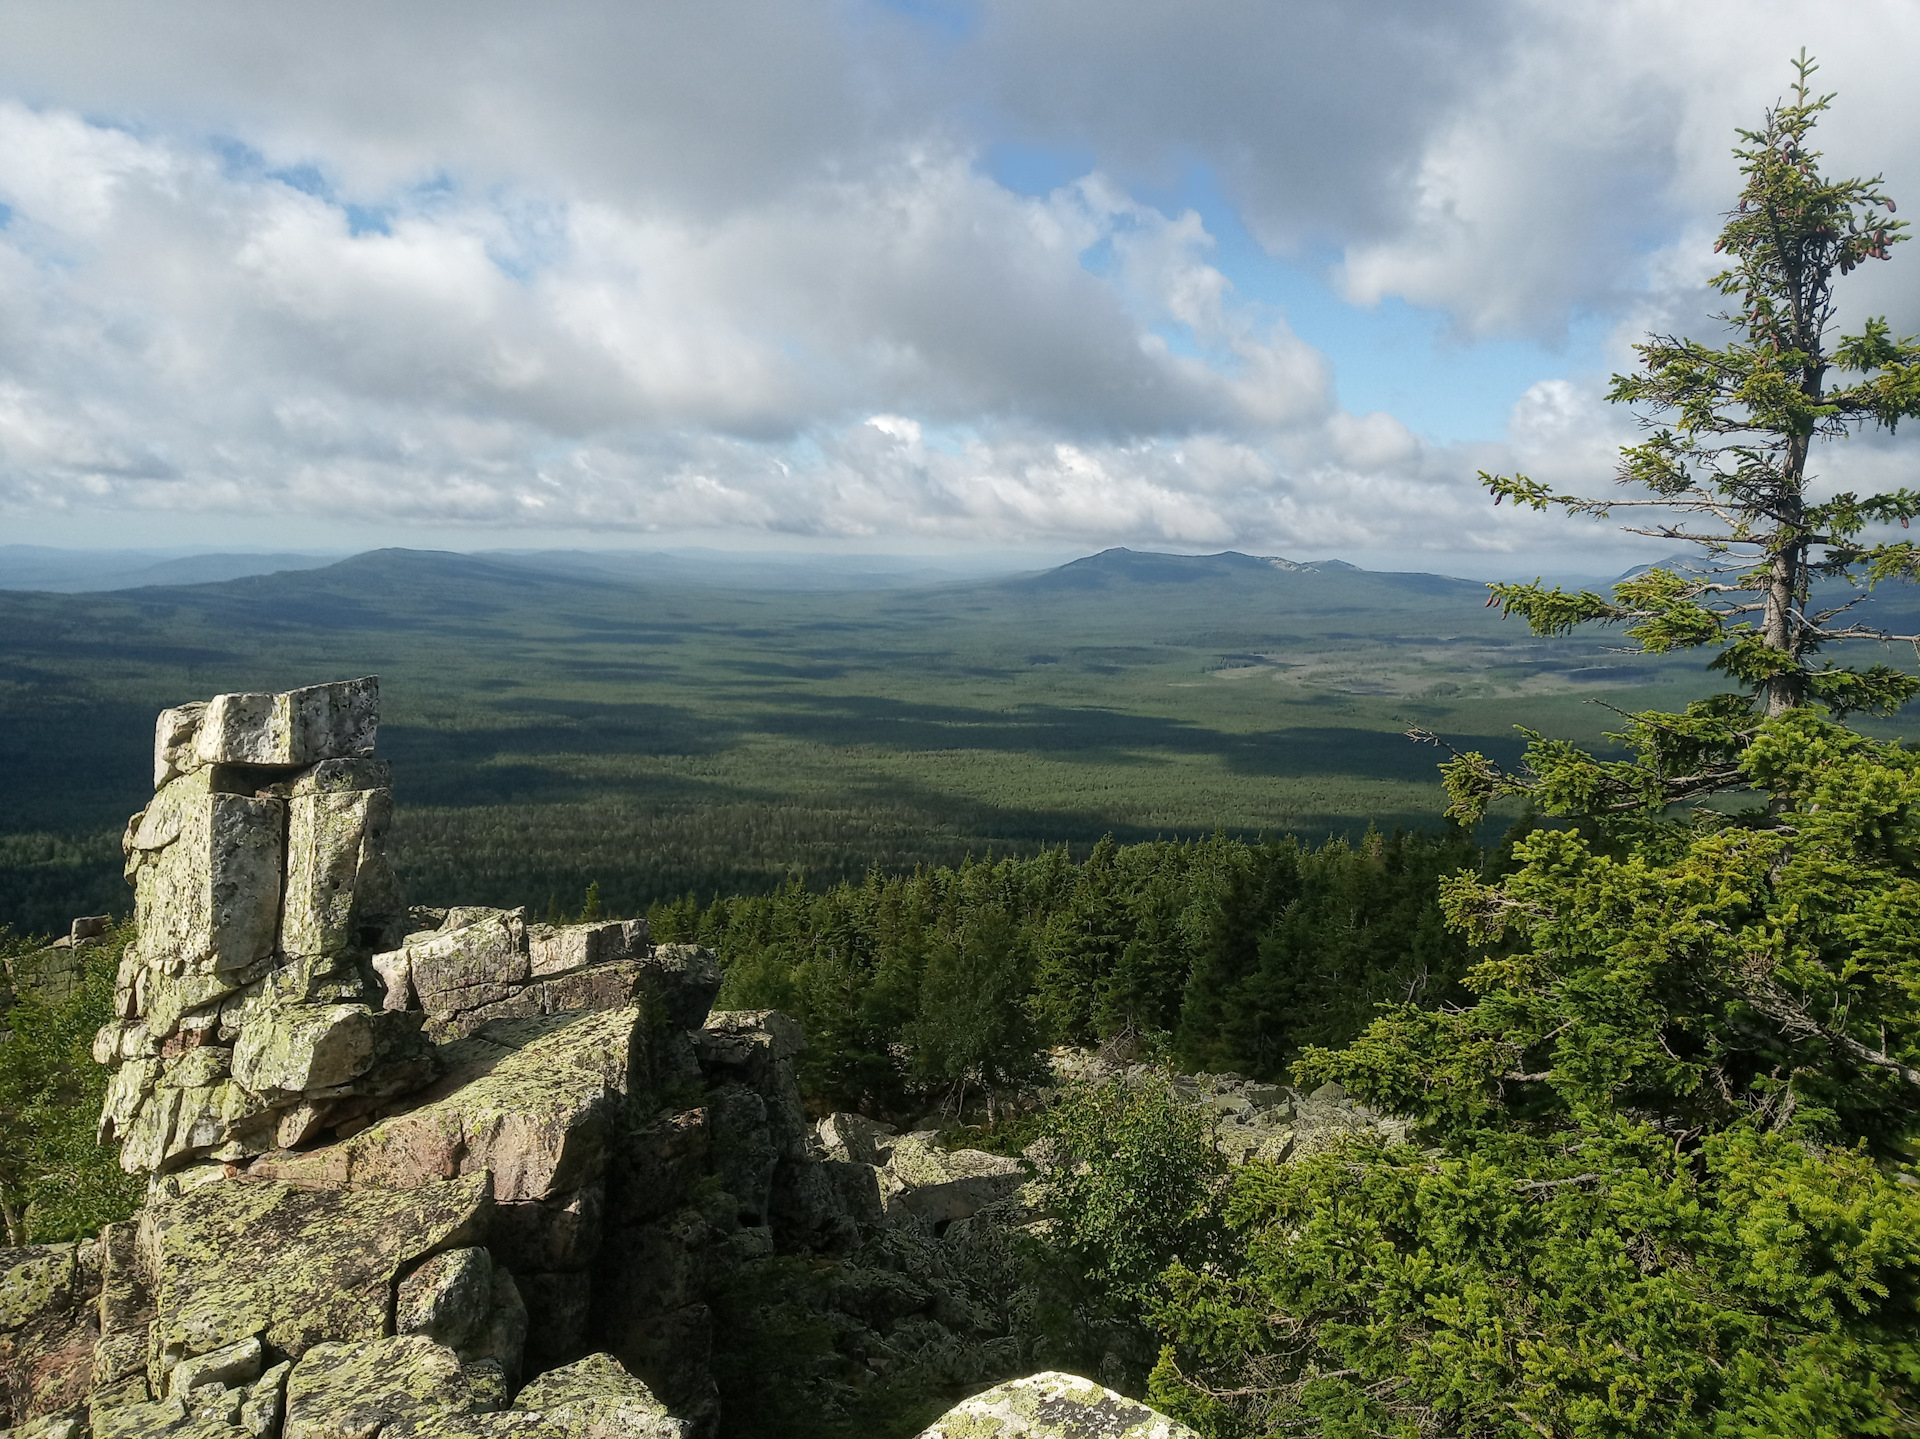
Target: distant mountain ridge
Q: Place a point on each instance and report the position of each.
(60, 571)
(1116, 568)
(26, 567)
(392, 572)
(63, 571)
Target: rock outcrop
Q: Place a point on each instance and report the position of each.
(47, 1330)
(53, 974)
(1251, 1119)
(444, 1172)
(248, 1013)
(1053, 1406)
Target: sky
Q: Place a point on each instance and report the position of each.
(887, 276)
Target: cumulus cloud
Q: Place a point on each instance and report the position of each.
(744, 267)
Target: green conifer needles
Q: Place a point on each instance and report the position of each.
(1666, 1178)
(1726, 463)
(1663, 1172)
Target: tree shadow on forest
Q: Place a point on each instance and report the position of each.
(1099, 736)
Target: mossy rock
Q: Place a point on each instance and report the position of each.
(1053, 1406)
(533, 1100)
(296, 1267)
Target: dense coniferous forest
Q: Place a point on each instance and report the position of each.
(1223, 954)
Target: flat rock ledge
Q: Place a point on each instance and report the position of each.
(1052, 1405)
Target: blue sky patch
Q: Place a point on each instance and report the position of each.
(949, 19)
(1035, 169)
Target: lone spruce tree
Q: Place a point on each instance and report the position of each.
(1662, 1180)
(1729, 466)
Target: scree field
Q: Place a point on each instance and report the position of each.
(552, 725)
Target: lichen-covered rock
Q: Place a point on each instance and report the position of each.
(262, 1409)
(175, 733)
(360, 1390)
(293, 1048)
(485, 964)
(229, 1367)
(150, 1420)
(474, 965)
(937, 1186)
(206, 865)
(855, 1138)
(594, 1398)
(558, 1234)
(51, 1426)
(47, 1332)
(754, 1048)
(669, 989)
(530, 1100)
(447, 1298)
(36, 1280)
(1328, 1115)
(747, 1039)
(238, 1260)
(124, 1310)
(744, 1150)
(682, 980)
(1241, 1143)
(292, 728)
(461, 1299)
(175, 1123)
(557, 949)
(340, 892)
(262, 888)
(52, 974)
(1053, 1406)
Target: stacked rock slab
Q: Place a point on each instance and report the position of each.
(461, 967)
(248, 1015)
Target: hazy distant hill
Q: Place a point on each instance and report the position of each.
(1318, 584)
(1118, 593)
(65, 571)
(382, 588)
(724, 569)
(60, 571)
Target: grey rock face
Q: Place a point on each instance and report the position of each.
(937, 1186)
(46, 1332)
(229, 1367)
(575, 946)
(462, 1300)
(292, 1267)
(357, 1391)
(1053, 1406)
(486, 964)
(261, 888)
(294, 728)
(855, 1138)
(594, 1398)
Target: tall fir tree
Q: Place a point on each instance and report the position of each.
(1662, 1179)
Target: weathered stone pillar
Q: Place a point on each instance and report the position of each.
(248, 1009)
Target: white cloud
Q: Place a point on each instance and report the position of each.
(742, 266)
